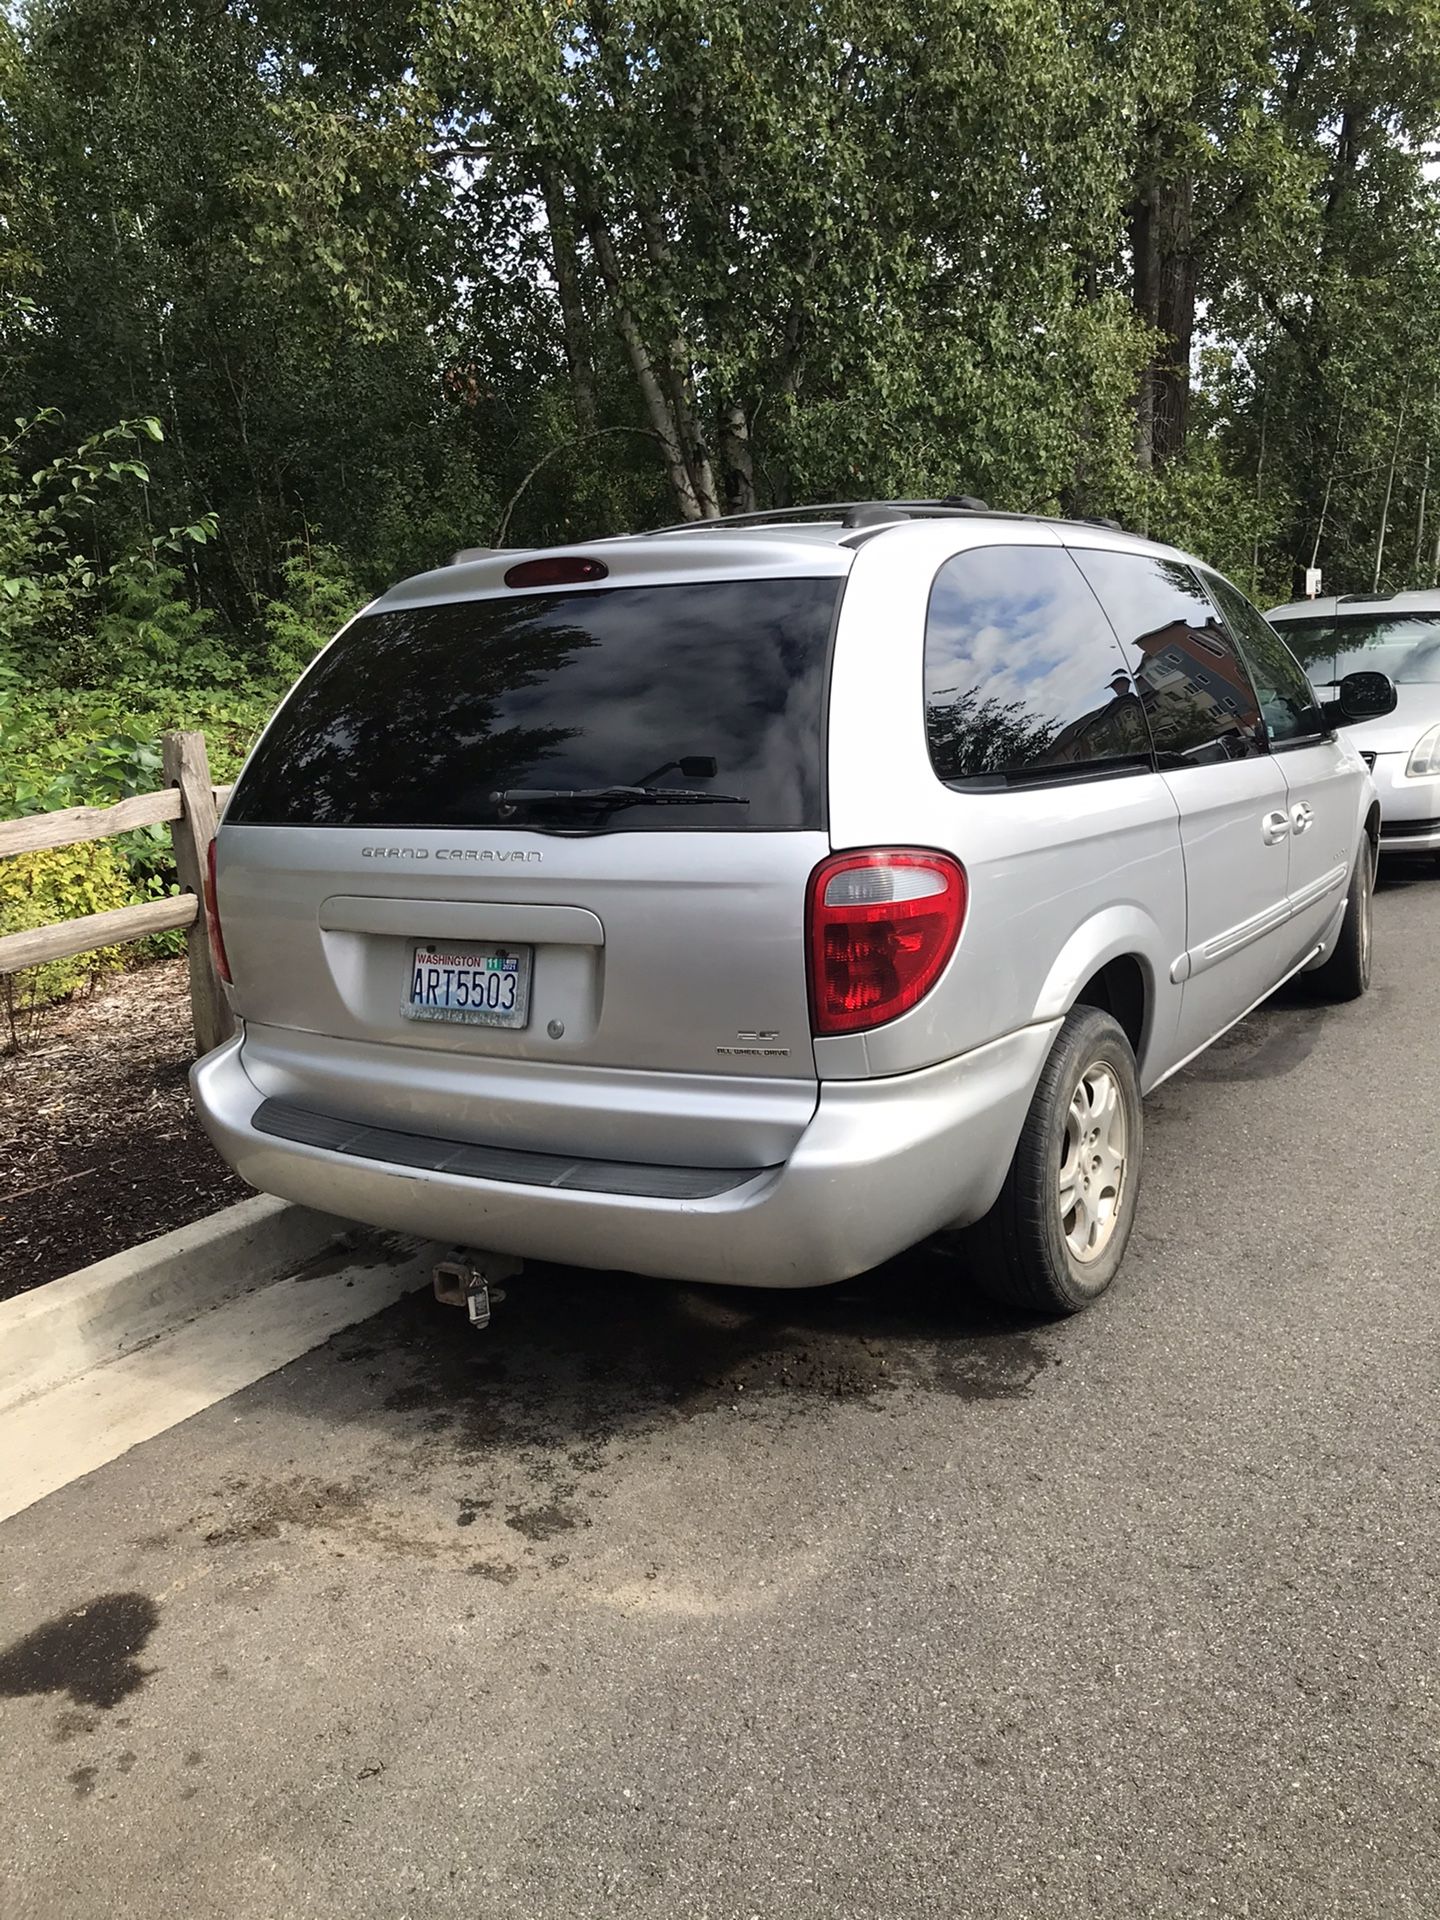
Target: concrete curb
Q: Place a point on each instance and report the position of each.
(66, 1326)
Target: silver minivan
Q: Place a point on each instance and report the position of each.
(748, 902)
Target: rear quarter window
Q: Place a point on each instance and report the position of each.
(1024, 679)
(423, 716)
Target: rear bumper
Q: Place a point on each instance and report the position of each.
(882, 1164)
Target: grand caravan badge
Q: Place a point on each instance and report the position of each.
(470, 856)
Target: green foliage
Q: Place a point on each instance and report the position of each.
(318, 596)
(61, 883)
(148, 632)
(67, 748)
(426, 273)
(70, 610)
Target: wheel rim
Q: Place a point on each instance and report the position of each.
(1092, 1162)
(1366, 877)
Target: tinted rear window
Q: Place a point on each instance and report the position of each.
(420, 717)
(1023, 678)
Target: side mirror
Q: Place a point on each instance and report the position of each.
(1364, 696)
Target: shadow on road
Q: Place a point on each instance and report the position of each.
(1396, 875)
(492, 1451)
(582, 1356)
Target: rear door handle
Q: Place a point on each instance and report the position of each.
(1302, 815)
(1274, 827)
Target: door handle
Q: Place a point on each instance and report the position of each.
(1302, 815)
(1274, 827)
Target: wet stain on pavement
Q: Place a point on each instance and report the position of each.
(500, 1572)
(575, 1361)
(70, 1725)
(357, 1249)
(991, 1369)
(544, 1523)
(88, 1654)
(299, 1502)
(83, 1781)
(519, 1431)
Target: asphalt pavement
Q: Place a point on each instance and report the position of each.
(656, 1601)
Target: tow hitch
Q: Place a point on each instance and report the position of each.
(468, 1278)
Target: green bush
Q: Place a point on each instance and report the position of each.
(320, 596)
(60, 883)
(103, 648)
(92, 748)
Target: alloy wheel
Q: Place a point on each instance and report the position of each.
(1092, 1162)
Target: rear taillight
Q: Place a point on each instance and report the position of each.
(881, 927)
(212, 918)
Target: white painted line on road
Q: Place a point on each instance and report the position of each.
(55, 1437)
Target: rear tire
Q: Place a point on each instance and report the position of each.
(1345, 975)
(1055, 1238)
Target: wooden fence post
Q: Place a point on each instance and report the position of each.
(187, 767)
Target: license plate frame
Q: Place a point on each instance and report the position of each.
(452, 1001)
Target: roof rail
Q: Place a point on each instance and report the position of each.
(841, 510)
(870, 515)
(1353, 599)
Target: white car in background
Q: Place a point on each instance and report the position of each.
(1396, 634)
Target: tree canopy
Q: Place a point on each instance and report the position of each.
(398, 278)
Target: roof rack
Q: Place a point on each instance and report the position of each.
(859, 515)
(850, 513)
(1352, 599)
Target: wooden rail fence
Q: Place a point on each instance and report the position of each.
(189, 804)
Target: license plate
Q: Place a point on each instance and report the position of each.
(474, 986)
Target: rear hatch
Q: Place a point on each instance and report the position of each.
(528, 867)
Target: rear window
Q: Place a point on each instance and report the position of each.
(1404, 645)
(484, 712)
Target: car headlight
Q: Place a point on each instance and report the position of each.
(1426, 757)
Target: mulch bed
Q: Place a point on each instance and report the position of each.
(99, 1146)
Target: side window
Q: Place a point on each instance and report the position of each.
(1194, 686)
(1287, 700)
(1023, 677)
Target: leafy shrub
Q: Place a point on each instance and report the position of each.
(57, 591)
(320, 596)
(147, 632)
(60, 883)
(61, 748)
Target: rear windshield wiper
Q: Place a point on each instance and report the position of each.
(512, 798)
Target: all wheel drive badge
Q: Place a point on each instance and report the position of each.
(759, 1043)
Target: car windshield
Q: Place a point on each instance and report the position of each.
(1404, 645)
